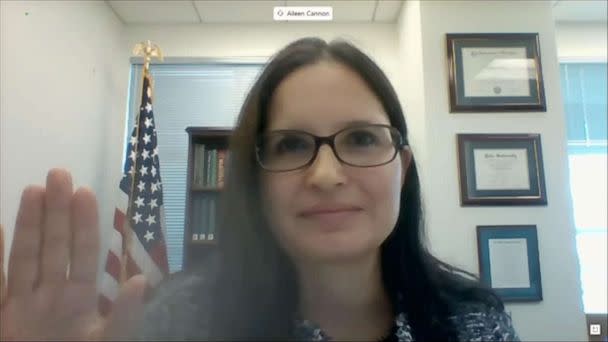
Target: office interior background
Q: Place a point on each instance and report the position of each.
(69, 93)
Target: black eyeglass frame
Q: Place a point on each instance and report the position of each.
(329, 140)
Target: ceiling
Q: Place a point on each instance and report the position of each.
(260, 11)
(580, 10)
(196, 12)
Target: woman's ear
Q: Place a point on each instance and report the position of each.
(406, 160)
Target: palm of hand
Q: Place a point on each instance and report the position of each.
(57, 230)
(67, 313)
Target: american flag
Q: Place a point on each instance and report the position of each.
(139, 239)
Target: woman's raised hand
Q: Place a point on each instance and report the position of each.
(50, 292)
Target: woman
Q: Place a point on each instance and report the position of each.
(322, 225)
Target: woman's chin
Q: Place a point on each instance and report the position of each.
(339, 253)
(343, 245)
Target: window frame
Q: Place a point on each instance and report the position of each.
(175, 254)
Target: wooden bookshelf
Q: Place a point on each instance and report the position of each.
(205, 189)
(207, 153)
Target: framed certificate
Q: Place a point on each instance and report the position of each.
(501, 169)
(509, 261)
(495, 72)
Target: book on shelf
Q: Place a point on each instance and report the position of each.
(214, 169)
(220, 168)
(195, 179)
(202, 212)
(199, 150)
(204, 218)
(210, 235)
(201, 219)
(198, 224)
(210, 169)
(209, 166)
(205, 168)
(194, 221)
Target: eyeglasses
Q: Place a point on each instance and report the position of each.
(360, 146)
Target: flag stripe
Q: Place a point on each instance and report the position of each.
(132, 267)
(142, 258)
(109, 287)
(112, 266)
(119, 218)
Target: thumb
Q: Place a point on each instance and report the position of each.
(127, 310)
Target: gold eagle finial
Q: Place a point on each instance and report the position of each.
(148, 50)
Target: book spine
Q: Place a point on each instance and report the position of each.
(215, 168)
(195, 171)
(200, 219)
(208, 167)
(220, 168)
(211, 234)
(204, 219)
(201, 165)
(194, 219)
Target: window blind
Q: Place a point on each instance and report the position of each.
(584, 91)
(186, 95)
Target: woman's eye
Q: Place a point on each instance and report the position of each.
(362, 138)
(291, 144)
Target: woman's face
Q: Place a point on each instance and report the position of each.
(330, 211)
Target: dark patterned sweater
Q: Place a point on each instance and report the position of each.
(176, 313)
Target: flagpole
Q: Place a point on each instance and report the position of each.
(148, 50)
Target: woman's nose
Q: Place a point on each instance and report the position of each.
(326, 171)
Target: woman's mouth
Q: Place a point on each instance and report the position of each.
(332, 218)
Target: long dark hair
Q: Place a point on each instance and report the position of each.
(255, 294)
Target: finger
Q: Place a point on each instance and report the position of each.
(56, 229)
(127, 310)
(2, 280)
(85, 237)
(23, 262)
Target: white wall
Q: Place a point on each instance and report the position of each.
(581, 41)
(259, 40)
(264, 40)
(451, 228)
(62, 100)
(412, 90)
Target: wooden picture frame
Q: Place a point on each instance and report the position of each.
(509, 261)
(495, 72)
(501, 169)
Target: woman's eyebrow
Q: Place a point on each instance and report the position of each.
(338, 126)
